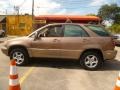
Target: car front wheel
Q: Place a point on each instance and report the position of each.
(20, 56)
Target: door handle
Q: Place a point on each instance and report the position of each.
(84, 40)
(56, 40)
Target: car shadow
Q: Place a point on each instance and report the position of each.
(54, 63)
(117, 45)
(109, 65)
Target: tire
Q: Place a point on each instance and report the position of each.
(20, 55)
(91, 60)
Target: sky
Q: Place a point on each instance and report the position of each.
(54, 7)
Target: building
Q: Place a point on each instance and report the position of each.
(20, 25)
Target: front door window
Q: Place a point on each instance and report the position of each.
(52, 31)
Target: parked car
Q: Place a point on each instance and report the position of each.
(87, 43)
(2, 33)
(117, 39)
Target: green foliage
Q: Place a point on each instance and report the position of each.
(111, 12)
(91, 14)
(117, 19)
(115, 28)
(107, 12)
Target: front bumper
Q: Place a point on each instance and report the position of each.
(4, 50)
(110, 54)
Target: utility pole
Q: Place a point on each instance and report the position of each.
(6, 12)
(33, 15)
(16, 8)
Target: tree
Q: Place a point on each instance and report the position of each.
(109, 12)
(117, 19)
(91, 14)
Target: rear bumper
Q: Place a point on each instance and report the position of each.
(4, 50)
(117, 42)
(110, 54)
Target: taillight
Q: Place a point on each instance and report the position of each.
(113, 42)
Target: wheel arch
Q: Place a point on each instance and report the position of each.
(16, 46)
(93, 50)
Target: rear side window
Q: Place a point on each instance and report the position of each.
(74, 31)
(98, 30)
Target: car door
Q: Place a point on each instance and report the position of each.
(48, 42)
(73, 41)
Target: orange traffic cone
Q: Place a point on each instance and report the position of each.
(13, 81)
(117, 86)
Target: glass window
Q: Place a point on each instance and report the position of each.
(98, 30)
(22, 25)
(54, 31)
(74, 31)
(33, 35)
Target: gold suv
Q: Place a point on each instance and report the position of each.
(90, 44)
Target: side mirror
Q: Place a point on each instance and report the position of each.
(36, 36)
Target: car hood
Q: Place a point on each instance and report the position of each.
(18, 38)
(24, 41)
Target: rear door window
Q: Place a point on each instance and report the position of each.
(98, 30)
(74, 31)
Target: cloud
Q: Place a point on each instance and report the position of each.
(98, 2)
(45, 7)
(65, 12)
(16, 2)
(41, 7)
(3, 6)
(61, 12)
(47, 4)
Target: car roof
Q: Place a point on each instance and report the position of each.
(72, 24)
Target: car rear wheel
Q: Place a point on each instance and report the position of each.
(20, 55)
(91, 60)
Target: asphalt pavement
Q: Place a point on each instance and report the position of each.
(57, 74)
